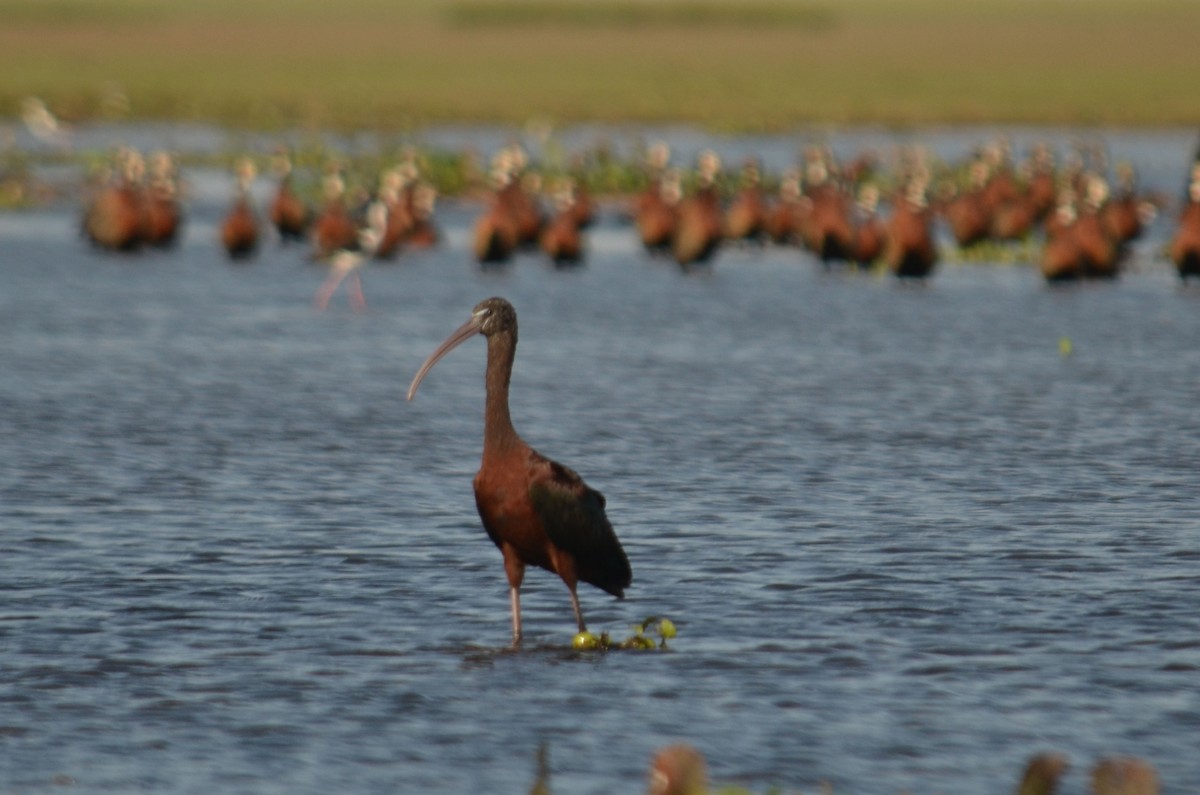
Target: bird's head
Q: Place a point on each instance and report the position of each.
(490, 317)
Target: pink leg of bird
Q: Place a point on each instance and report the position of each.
(514, 596)
(357, 299)
(321, 300)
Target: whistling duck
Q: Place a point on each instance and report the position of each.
(495, 236)
(786, 218)
(1100, 251)
(1121, 215)
(518, 193)
(1000, 185)
(678, 770)
(287, 212)
(698, 229)
(582, 207)
(1042, 190)
(113, 218)
(1015, 210)
(391, 206)
(424, 231)
(334, 229)
(1124, 775)
(870, 233)
(161, 214)
(1014, 219)
(657, 212)
(561, 239)
(1062, 257)
(746, 218)
(828, 230)
(966, 212)
(909, 250)
(239, 231)
(1042, 774)
(1185, 244)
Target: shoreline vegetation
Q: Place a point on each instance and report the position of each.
(747, 66)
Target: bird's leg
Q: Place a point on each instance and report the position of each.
(578, 611)
(327, 289)
(514, 597)
(357, 299)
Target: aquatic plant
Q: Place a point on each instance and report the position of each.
(651, 633)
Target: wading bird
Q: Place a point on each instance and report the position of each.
(537, 511)
(345, 262)
(239, 230)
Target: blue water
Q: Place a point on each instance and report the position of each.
(906, 541)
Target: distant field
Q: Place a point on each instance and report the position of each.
(748, 65)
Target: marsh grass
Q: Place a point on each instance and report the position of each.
(668, 14)
(755, 65)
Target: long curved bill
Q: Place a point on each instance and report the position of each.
(460, 335)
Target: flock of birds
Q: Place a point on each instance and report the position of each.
(540, 513)
(680, 769)
(854, 212)
(537, 511)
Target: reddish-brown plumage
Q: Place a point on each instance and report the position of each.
(1014, 219)
(519, 199)
(161, 216)
(1061, 257)
(536, 511)
(968, 218)
(870, 233)
(239, 231)
(423, 231)
(828, 231)
(288, 212)
(334, 229)
(1100, 253)
(1185, 243)
(909, 250)
(657, 212)
(786, 218)
(698, 227)
(495, 237)
(561, 240)
(746, 218)
(870, 236)
(114, 220)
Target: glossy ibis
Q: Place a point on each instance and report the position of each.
(537, 511)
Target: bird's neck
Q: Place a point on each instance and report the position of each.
(498, 431)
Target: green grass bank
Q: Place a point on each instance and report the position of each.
(744, 66)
